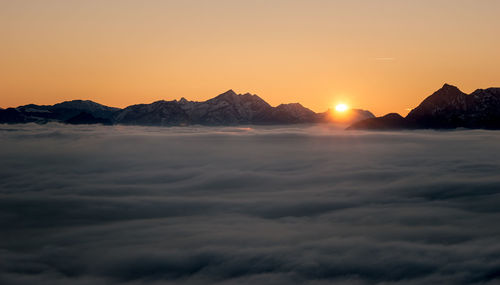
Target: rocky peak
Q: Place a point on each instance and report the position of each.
(81, 104)
(449, 88)
(230, 94)
(487, 92)
(389, 121)
(393, 116)
(446, 108)
(184, 101)
(446, 101)
(296, 109)
(291, 106)
(448, 91)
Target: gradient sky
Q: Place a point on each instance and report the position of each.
(381, 55)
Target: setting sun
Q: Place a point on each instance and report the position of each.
(341, 107)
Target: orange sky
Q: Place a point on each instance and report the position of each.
(381, 55)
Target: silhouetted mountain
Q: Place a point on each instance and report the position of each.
(390, 121)
(60, 112)
(85, 118)
(227, 108)
(447, 108)
(156, 114)
(349, 116)
(293, 113)
(11, 116)
(359, 115)
(90, 107)
(451, 108)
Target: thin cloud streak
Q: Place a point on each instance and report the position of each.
(384, 58)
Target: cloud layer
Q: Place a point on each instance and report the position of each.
(266, 205)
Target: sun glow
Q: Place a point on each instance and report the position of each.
(341, 107)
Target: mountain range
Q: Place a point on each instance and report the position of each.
(227, 108)
(447, 108)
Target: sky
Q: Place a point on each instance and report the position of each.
(380, 55)
(266, 205)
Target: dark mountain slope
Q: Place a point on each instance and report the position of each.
(447, 108)
(227, 108)
(85, 118)
(391, 121)
(159, 113)
(60, 112)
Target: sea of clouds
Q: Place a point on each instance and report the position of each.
(250, 205)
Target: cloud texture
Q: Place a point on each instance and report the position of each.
(266, 205)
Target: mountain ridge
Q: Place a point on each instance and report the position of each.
(228, 108)
(447, 108)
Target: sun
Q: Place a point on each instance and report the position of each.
(341, 107)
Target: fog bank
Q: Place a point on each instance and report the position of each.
(247, 205)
